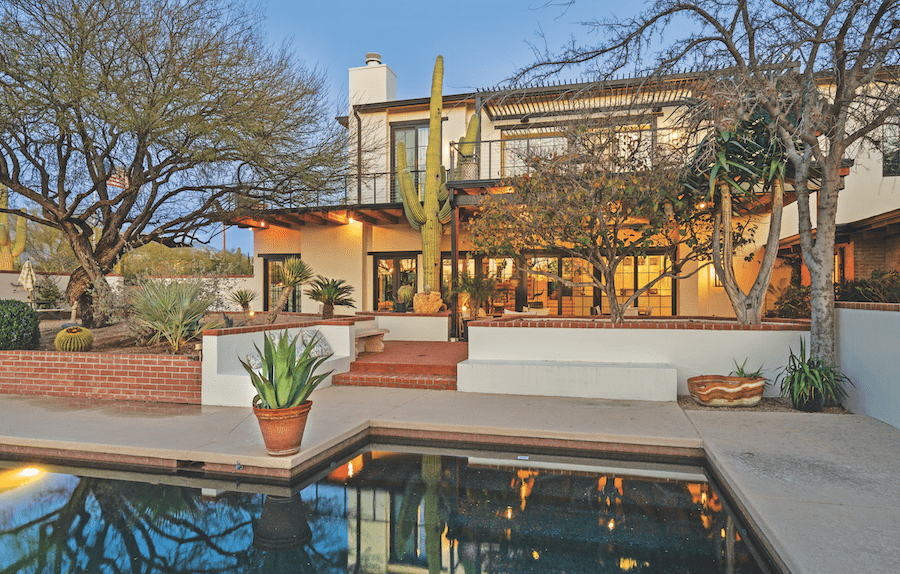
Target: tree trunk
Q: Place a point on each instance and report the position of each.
(80, 293)
(820, 263)
(279, 305)
(327, 310)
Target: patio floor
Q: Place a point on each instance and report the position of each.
(821, 489)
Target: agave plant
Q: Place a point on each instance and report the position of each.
(806, 378)
(331, 293)
(172, 310)
(294, 272)
(284, 378)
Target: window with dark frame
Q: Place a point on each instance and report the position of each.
(414, 136)
(890, 165)
(272, 267)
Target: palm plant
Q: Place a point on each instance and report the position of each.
(478, 288)
(331, 293)
(243, 298)
(172, 310)
(294, 272)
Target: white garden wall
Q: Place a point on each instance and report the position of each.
(867, 341)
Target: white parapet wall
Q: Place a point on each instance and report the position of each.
(587, 359)
(226, 383)
(411, 326)
(866, 343)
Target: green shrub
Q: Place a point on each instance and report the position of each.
(793, 304)
(19, 326)
(173, 310)
(881, 287)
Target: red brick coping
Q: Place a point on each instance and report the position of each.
(867, 306)
(365, 314)
(312, 321)
(148, 378)
(701, 323)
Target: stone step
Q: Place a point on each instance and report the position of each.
(403, 381)
(403, 368)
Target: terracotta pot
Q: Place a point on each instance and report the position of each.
(719, 391)
(282, 429)
(282, 525)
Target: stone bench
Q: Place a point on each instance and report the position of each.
(584, 379)
(370, 340)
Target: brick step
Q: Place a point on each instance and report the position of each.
(403, 368)
(402, 381)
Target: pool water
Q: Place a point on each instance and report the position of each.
(379, 512)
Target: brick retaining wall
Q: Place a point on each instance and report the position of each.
(148, 378)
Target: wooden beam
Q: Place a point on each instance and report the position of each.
(385, 217)
(293, 219)
(339, 217)
(360, 216)
(314, 218)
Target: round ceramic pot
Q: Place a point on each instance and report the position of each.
(720, 391)
(282, 525)
(282, 429)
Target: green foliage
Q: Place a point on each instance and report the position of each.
(740, 372)
(881, 287)
(49, 249)
(285, 379)
(19, 326)
(74, 339)
(294, 272)
(405, 294)
(331, 293)
(792, 304)
(803, 377)
(478, 288)
(172, 310)
(47, 293)
(158, 260)
(242, 297)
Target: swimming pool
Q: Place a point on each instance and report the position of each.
(400, 510)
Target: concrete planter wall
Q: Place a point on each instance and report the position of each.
(866, 342)
(640, 360)
(226, 383)
(412, 326)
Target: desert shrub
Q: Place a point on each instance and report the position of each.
(792, 304)
(172, 310)
(19, 326)
(881, 287)
(47, 293)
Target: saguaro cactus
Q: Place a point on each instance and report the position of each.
(434, 211)
(10, 249)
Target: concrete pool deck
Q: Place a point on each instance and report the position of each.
(823, 490)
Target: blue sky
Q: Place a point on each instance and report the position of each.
(482, 42)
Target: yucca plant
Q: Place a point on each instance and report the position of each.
(805, 379)
(243, 298)
(172, 310)
(331, 293)
(294, 272)
(284, 379)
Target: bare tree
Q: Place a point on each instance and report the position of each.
(825, 72)
(607, 195)
(145, 119)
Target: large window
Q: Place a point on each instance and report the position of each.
(415, 138)
(891, 149)
(392, 271)
(635, 272)
(273, 265)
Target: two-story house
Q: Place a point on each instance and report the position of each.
(363, 237)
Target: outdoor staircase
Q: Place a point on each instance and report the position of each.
(399, 374)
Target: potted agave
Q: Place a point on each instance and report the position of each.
(742, 389)
(812, 383)
(284, 380)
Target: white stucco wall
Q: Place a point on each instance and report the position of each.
(336, 252)
(866, 346)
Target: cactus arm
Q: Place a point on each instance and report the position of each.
(443, 194)
(446, 212)
(467, 142)
(21, 228)
(411, 205)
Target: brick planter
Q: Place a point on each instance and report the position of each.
(147, 378)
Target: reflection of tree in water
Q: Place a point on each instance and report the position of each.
(116, 526)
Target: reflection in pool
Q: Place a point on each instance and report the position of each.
(380, 512)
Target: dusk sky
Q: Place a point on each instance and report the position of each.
(482, 43)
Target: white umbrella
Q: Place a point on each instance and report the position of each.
(27, 278)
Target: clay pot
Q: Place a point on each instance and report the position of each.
(720, 391)
(282, 524)
(282, 429)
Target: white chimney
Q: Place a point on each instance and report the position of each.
(372, 83)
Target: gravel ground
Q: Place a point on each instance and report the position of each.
(766, 405)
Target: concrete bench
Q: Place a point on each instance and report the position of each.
(585, 379)
(371, 340)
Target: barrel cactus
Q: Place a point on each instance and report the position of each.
(74, 339)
